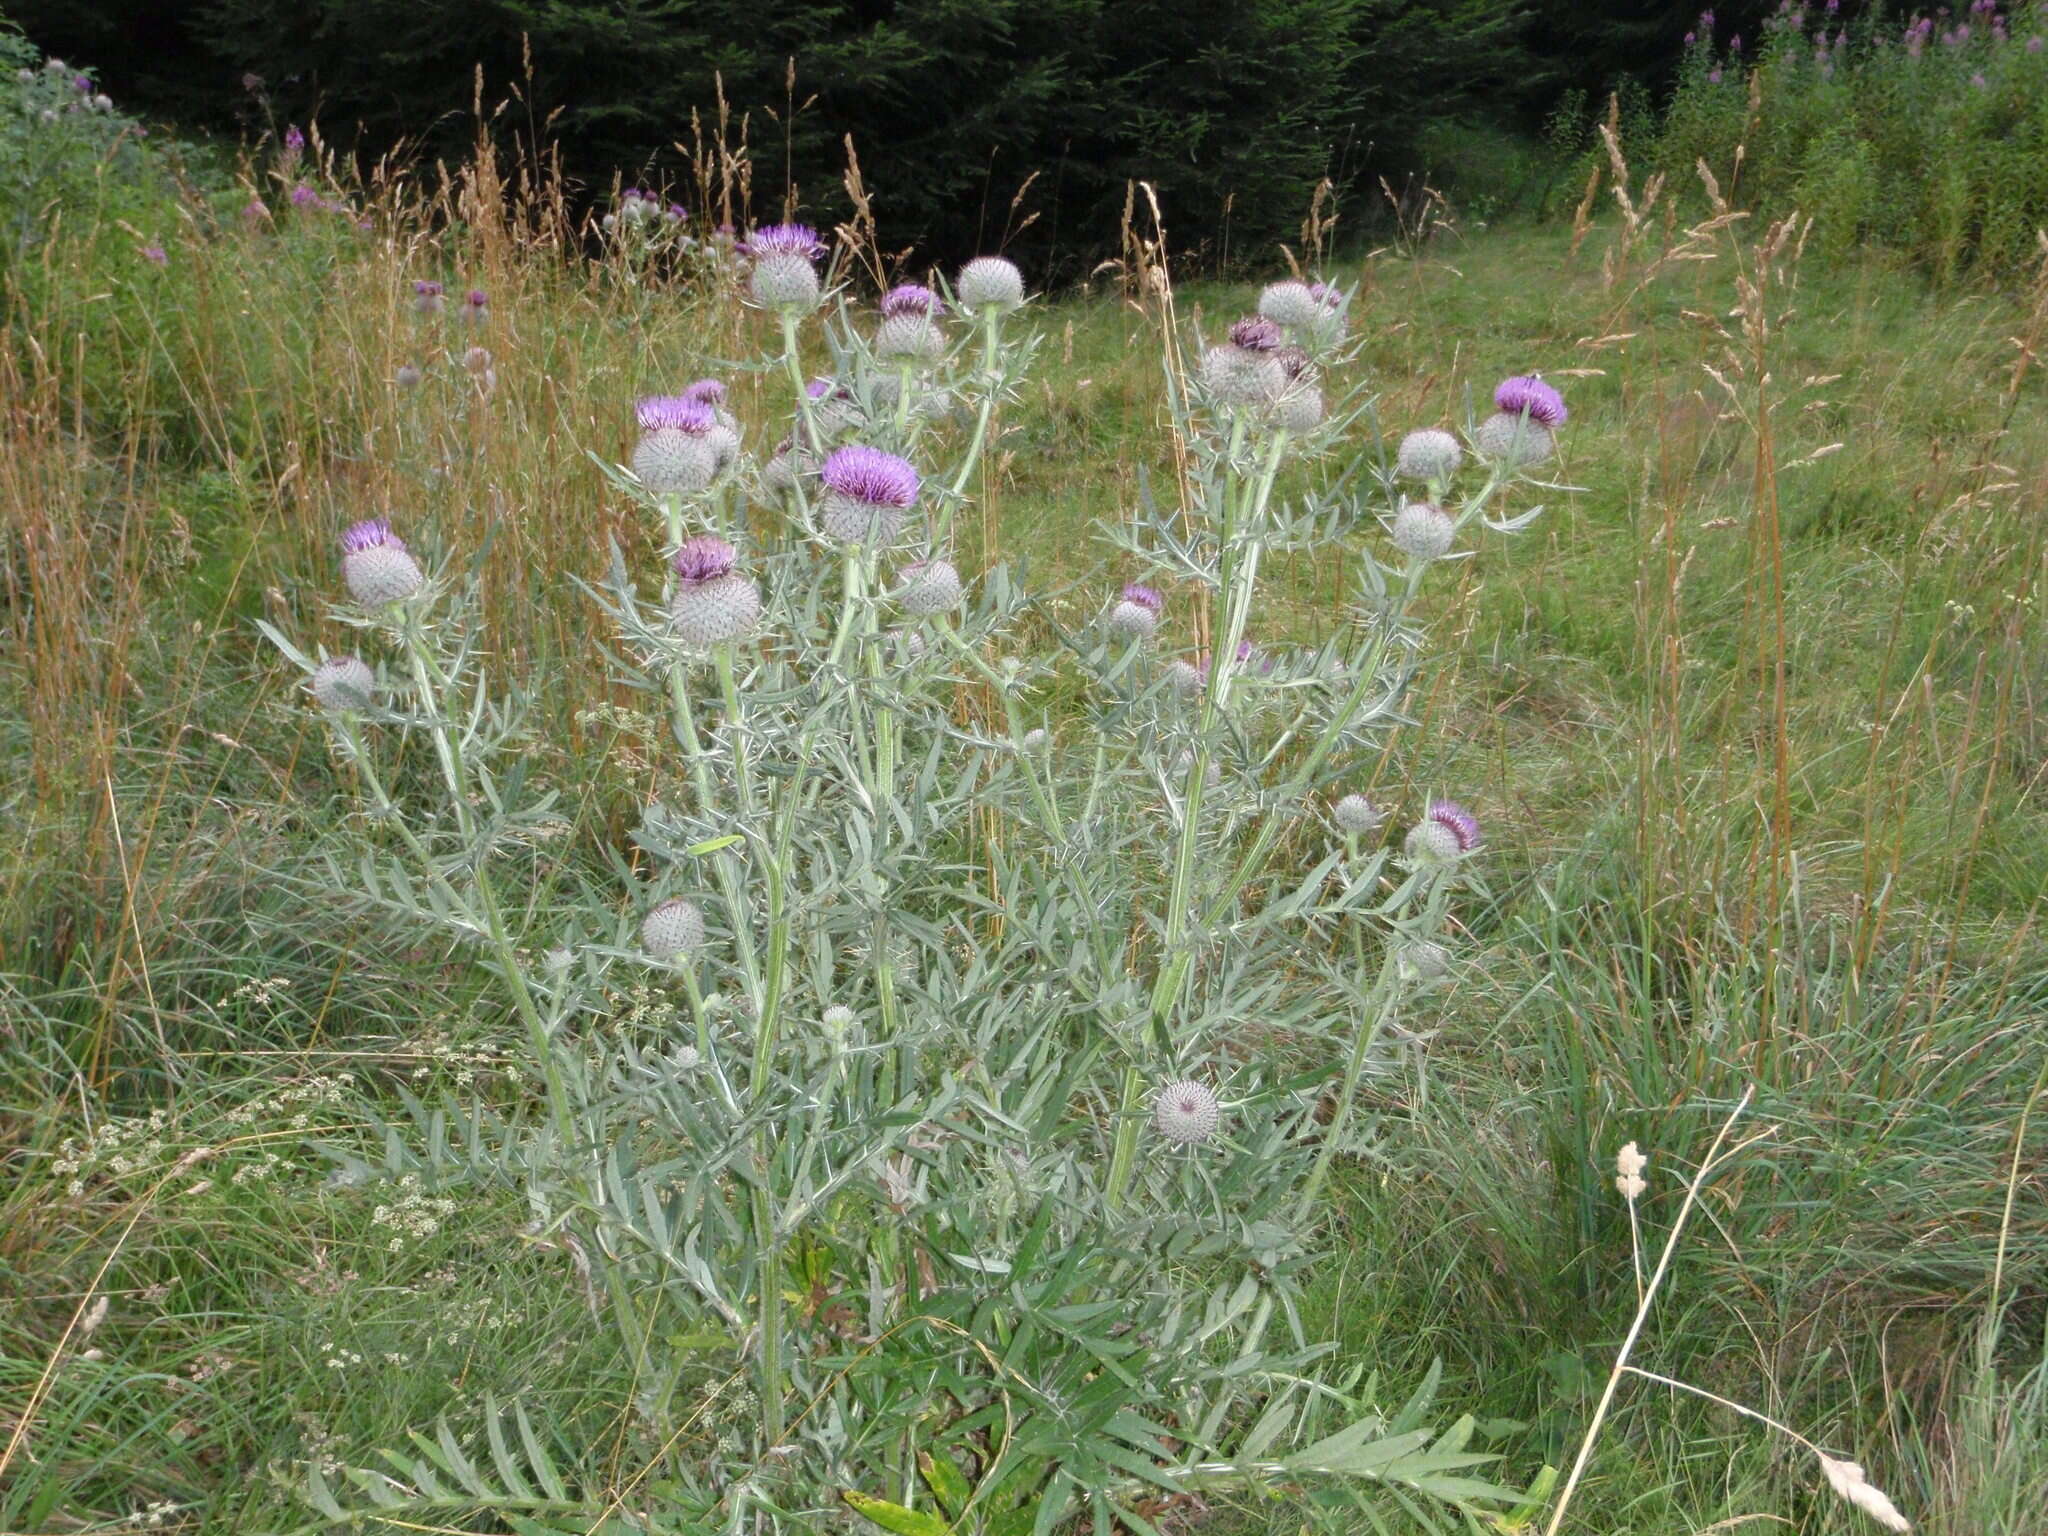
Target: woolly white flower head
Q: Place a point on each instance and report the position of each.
(713, 602)
(1629, 1164)
(1186, 1112)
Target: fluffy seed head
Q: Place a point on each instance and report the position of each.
(1186, 1112)
(1428, 454)
(673, 928)
(911, 299)
(343, 683)
(1848, 1480)
(930, 586)
(990, 282)
(377, 566)
(838, 1018)
(1356, 814)
(1513, 441)
(1527, 395)
(1422, 531)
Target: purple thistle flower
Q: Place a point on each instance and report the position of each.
(427, 289)
(1458, 821)
(1527, 395)
(818, 389)
(1735, 43)
(686, 412)
(910, 299)
(1144, 597)
(677, 213)
(255, 212)
(1255, 333)
(1713, 77)
(1245, 652)
(475, 302)
(155, 254)
(293, 139)
(704, 558)
(1691, 38)
(372, 533)
(870, 476)
(784, 240)
(709, 391)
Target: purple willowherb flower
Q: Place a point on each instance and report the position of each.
(1186, 1112)
(1446, 832)
(343, 683)
(377, 566)
(1527, 395)
(1137, 612)
(304, 196)
(255, 213)
(154, 254)
(1255, 333)
(294, 141)
(929, 586)
(911, 299)
(1428, 454)
(713, 602)
(1423, 532)
(1713, 77)
(784, 276)
(867, 492)
(989, 283)
(672, 929)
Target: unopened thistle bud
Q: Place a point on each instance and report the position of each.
(867, 493)
(1299, 408)
(476, 362)
(1429, 454)
(1357, 815)
(343, 683)
(785, 275)
(713, 602)
(476, 306)
(930, 586)
(1137, 611)
(1245, 370)
(408, 376)
(674, 928)
(675, 456)
(1186, 679)
(1290, 304)
(989, 283)
(905, 646)
(785, 466)
(1186, 1112)
(1423, 532)
(1446, 832)
(833, 408)
(1424, 961)
(377, 566)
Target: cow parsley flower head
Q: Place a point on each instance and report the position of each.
(377, 566)
(1137, 611)
(1428, 454)
(785, 274)
(713, 602)
(672, 929)
(867, 493)
(1422, 531)
(1446, 832)
(1527, 395)
(989, 283)
(343, 683)
(929, 586)
(1186, 1112)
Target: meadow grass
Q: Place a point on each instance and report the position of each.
(1759, 751)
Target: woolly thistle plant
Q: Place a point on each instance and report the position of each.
(952, 994)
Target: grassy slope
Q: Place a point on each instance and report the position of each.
(1671, 917)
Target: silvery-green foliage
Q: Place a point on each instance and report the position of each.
(881, 1146)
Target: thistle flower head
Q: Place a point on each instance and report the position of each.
(408, 376)
(426, 288)
(703, 558)
(1186, 1112)
(1243, 376)
(675, 413)
(1290, 304)
(343, 683)
(990, 283)
(929, 586)
(1428, 454)
(675, 927)
(869, 475)
(785, 276)
(1137, 612)
(911, 336)
(1527, 395)
(1446, 831)
(376, 565)
(1299, 408)
(838, 1019)
(784, 240)
(911, 299)
(1255, 333)
(1187, 678)
(1512, 441)
(1144, 596)
(1357, 815)
(255, 213)
(1422, 531)
(707, 392)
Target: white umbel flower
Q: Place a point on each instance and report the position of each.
(674, 928)
(343, 683)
